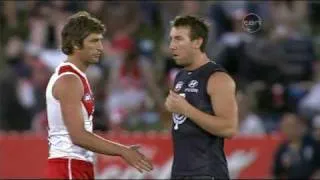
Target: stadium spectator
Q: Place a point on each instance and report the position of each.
(297, 156)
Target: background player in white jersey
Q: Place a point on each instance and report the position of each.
(70, 107)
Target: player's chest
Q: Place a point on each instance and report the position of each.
(189, 85)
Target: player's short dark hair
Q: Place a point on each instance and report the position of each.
(78, 27)
(199, 28)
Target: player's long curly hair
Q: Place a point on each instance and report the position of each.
(78, 27)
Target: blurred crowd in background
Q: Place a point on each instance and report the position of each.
(276, 68)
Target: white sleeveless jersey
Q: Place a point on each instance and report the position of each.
(60, 144)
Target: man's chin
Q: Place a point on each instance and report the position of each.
(178, 62)
(94, 61)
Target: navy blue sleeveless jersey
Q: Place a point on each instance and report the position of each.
(196, 152)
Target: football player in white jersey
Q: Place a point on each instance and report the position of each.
(70, 107)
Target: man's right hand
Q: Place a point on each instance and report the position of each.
(136, 159)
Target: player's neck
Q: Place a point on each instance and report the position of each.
(78, 63)
(199, 60)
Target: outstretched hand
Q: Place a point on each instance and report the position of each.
(136, 159)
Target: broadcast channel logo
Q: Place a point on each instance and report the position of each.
(252, 23)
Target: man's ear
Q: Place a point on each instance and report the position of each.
(75, 45)
(197, 43)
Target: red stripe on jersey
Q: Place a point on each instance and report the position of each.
(87, 99)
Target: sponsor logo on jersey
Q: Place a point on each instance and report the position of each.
(192, 86)
(178, 86)
(87, 97)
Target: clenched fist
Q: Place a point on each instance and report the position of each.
(176, 103)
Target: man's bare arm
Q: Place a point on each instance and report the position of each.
(69, 91)
(221, 89)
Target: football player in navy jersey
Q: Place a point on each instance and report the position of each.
(202, 102)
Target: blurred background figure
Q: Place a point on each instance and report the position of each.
(17, 98)
(132, 88)
(249, 122)
(297, 156)
(316, 135)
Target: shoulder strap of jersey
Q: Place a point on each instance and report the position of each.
(69, 69)
(211, 68)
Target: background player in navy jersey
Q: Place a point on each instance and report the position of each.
(203, 105)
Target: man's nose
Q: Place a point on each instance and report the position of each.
(100, 46)
(172, 46)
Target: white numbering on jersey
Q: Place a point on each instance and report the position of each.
(178, 118)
